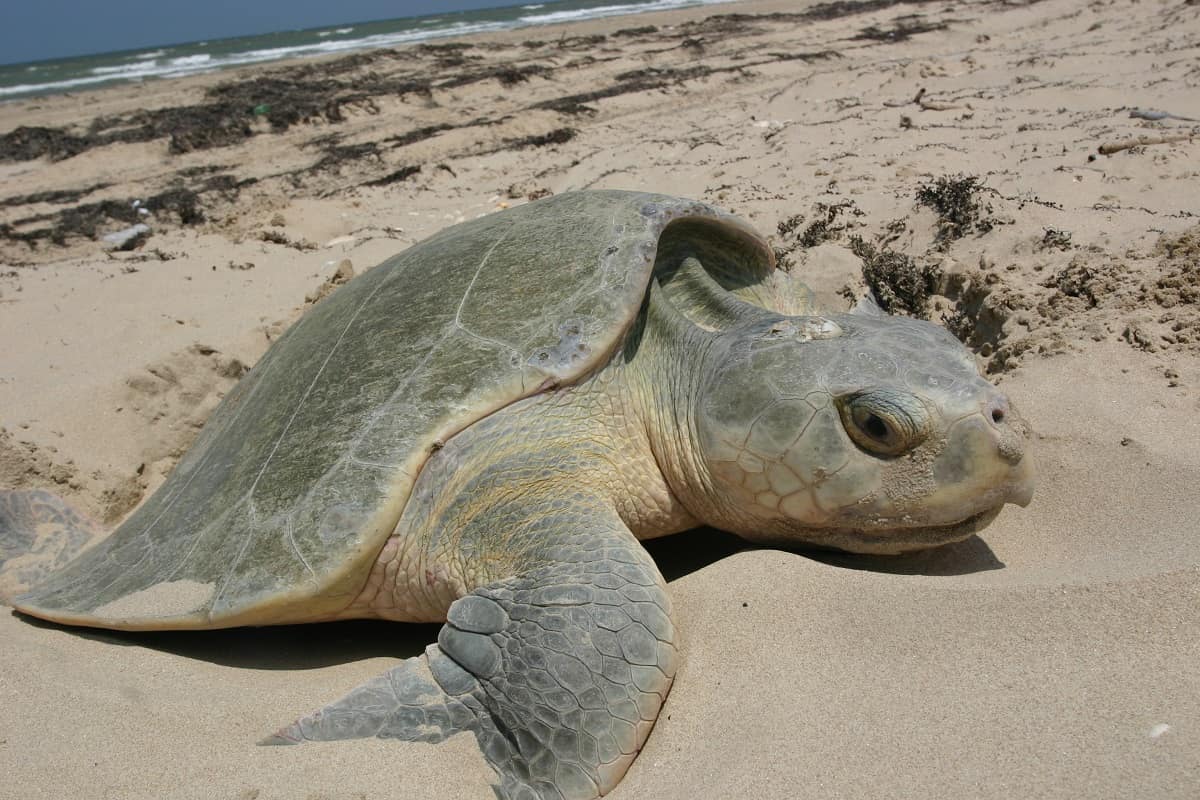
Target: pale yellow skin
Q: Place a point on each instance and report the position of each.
(423, 567)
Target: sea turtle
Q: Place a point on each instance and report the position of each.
(479, 431)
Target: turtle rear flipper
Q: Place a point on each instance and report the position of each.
(404, 703)
(39, 533)
(559, 672)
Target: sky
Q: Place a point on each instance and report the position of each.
(33, 30)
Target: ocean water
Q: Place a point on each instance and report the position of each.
(169, 61)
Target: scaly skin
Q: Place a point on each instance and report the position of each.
(559, 648)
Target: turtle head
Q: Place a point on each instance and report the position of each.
(861, 432)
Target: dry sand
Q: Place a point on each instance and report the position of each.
(1058, 655)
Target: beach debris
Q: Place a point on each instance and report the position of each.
(556, 136)
(1155, 116)
(903, 29)
(827, 226)
(1109, 148)
(338, 156)
(642, 30)
(368, 232)
(236, 110)
(31, 142)
(524, 189)
(789, 226)
(420, 134)
(830, 221)
(402, 174)
(335, 241)
(897, 282)
(773, 127)
(281, 238)
(343, 273)
(128, 259)
(511, 76)
(638, 80)
(1054, 239)
(128, 238)
(53, 196)
(955, 198)
(179, 203)
(924, 103)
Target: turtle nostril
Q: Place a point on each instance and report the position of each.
(997, 409)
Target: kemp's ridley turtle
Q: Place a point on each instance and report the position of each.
(481, 429)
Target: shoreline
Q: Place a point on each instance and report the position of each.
(573, 27)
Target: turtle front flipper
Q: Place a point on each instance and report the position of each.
(39, 533)
(560, 671)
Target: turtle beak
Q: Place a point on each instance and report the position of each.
(1021, 493)
(1012, 436)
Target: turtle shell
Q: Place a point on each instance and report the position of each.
(278, 510)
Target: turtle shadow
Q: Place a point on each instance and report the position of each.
(282, 647)
(960, 558)
(680, 555)
(683, 553)
(318, 645)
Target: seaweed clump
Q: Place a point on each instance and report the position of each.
(903, 29)
(955, 199)
(899, 283)
(182, 203)
(31, 142)
(397, 176)
(827, 225)
(556, 136)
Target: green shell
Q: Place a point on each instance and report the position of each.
(279, 509)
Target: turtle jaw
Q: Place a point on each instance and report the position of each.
(895, 541)
(886, 537)
(882, 541)
(890, 535)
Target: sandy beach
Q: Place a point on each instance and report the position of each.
(1034, 166)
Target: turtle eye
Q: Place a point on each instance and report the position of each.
(884, 422)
